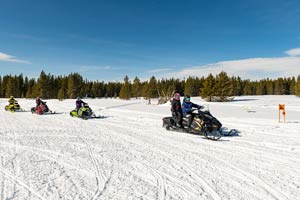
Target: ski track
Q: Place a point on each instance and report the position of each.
(183, 165)
(21, 183)
(262, 184)
(100, 178)
(128, 155)
(161, 183)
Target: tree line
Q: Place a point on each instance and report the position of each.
(213, 88)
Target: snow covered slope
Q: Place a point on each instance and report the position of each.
(128, 155)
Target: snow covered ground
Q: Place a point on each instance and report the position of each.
(128, 155)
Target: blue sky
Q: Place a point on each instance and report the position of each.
(106, 40)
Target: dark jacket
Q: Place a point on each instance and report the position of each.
(187, 107)
(176, 106)
(79, 104)
(12, 101)
(39, 102)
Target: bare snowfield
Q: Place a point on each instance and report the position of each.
(128, 155)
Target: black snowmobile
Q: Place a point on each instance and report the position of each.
(200, 123)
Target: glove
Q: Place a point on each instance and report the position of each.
(200, 107)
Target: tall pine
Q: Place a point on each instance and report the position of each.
(136, 87)
(152, 88)
(208, 90)
(297, 87)
(125, 92)
(191, 87)
(75, 82)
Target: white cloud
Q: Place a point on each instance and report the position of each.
(9, 58)
(253, 68)
(293, 52)
(158, 70)
(94, 68)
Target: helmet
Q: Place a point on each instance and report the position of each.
(187, 98)
(11, 97)
(38, 98)
(78, 98)
(177, 96)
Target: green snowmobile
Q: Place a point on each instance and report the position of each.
(13, 107)
(85, 112)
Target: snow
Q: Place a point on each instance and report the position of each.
(128, 155)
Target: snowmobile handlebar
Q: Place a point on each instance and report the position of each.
(197, 109)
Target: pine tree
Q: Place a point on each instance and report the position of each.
(19, 84)
(10, 88)
(297, 87)
(61, 94)
(136, 87)
(247, 87)
(31, 83)
(208, 90)
(125, 92)
(152, 88)
(25, 88)
(144, 89)
(35, 90)
(270, 87)
(239, 87)
(4, 83)
(44, 85)
(111, 89)
(261, 87)
(75, 82)
(190, 87)
(223, 87)
(279, 86)
(292, 84)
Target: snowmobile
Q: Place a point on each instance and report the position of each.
(85, 112)
(13, 107)
(201, 123)
(41, 109)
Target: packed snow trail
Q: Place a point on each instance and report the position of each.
(128, 155)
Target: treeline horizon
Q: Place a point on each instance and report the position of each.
(212, 88)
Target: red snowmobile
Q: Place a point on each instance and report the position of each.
(41, 109)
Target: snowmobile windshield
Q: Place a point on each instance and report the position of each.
(205, 107)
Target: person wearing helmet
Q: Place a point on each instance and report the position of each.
(176, 109)
(39, 102)
(79, 103)
(11, 101)
(187, 106)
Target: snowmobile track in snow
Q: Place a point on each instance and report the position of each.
(21, 183)
(129, 156)
(269, 190)
(196, 177)
(101, 180)
(161, 183)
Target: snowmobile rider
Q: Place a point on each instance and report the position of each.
(176, 109)
(38, 101)
(11, 100)
(187, 106)
(79, 103)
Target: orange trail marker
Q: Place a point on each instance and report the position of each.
(281, 107)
